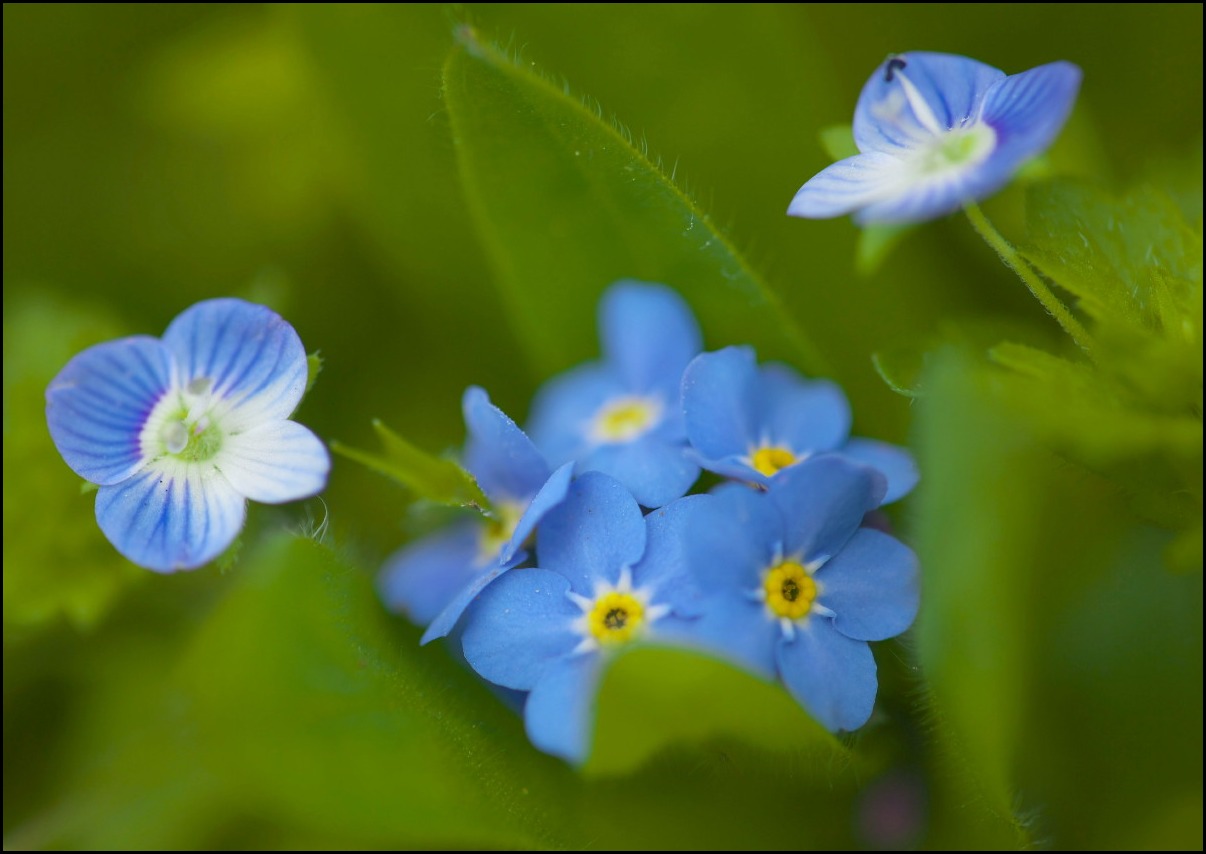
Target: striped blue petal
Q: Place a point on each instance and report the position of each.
(275, 462)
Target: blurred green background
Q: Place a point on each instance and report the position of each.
(302, 156)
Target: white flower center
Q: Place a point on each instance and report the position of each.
(623, 419)
(183, 424)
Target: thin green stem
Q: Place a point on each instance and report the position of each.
(1032, 280)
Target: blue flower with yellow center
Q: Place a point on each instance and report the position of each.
(936, 131)
(179, 432)
(753, 422)
(621, 415)
(792, 587)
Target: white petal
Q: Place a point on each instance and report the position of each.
(275, 462)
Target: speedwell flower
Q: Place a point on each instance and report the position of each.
(792, 587)
(752, 423)
(179, 432)
(936, 131)
(550, 630)
(621, 416)
(432, 581)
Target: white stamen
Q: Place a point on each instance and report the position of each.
(175, 436)
(921, 109)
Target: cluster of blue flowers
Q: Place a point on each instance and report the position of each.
(776, 569)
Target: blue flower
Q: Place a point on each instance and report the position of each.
(936, 131)
(753, 423)
(621, 416)
(792, 588)
(179, 432)
(551, 630)
(432, 581)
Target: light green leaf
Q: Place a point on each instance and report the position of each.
(433, 478)
(875, 244)
(838, 141)
(567, 204)
(313, 369)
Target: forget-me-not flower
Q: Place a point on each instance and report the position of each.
(936, 131)
(792, 587)
(621, 415)
(753, 422)
(178, 432)
(550, 630)
(434, 580)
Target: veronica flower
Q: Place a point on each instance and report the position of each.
(752, 423)
(179, 432)
(936, 131)
(792, 587)
(621, 415)
(551, 630)
(432, 581)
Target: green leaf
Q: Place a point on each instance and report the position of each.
(900, 369)
(838, 141)
(567, 204)
(875, 244)
(433, 478)
(313, 368)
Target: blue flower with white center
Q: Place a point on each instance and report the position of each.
(621, 416)
(179, 432)
(792, 588)
(937, 131)
(551, 630)
(753, 423)
(434, 580)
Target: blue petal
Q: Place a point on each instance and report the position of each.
(560, 712)
(730, 626)
(648, 335)
(893, 462)
(97, 405)
(730, 538)
(499, 455)
(929, 197)
(829, 674)
(520, 625)
(952, 86)
(444, 622)
(1028, 111)
(551, 494)
(719, 394)
(849, 185)
(251, 354)
(806, 416)
(420, 579)
(823, 501)
(656, 471)
(564, 409)
(178, 518)
(871, 585)
(592, 534)
(275, 462)
(666, 567)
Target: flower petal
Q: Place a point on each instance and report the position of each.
(551, 494)
(806, 416)
(559, 715)
(499, 455)
(893, 462)
(730, 626)
(564, 410)
(251, 354)
(829, 674)
(850, 184)
(420, 579)
(520, 625)
(648, 335)
(823, 501)
(729, 538)
(97, 405)
(871, 586)
(665, 568)
(719, 394)
(592, 534)
(1028, 111)
(275, 462)
(169, 517)
(656, 471)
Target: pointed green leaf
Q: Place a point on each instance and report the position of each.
(313, 369)
(838, 141)
(567, 204)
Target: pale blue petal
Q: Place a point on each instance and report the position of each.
(719, 394)
(931, 197)
(592, 534)
(446, 619)
(648, 335)
(1028, 111)
(823, 501)
(97, 405)
(805, 416)
(871, 585)
(168, 520)
(564, 410)
(666, 566)
(730, 538)
(520, 625)
(559, 715)
(551, 494)
(892, 461)
(733, 627)
(275, 462)
(251, 355)
(420, 579)
(654, 470)
(848, 185)
(829, 674)
(497, 453)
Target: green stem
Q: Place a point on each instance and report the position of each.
(1032, 280)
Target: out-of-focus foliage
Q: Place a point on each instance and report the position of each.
(413, 202)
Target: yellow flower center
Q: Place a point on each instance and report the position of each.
(624, 419)
(498, 529)
(767, 461)
(790, 590)
(615, 618)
